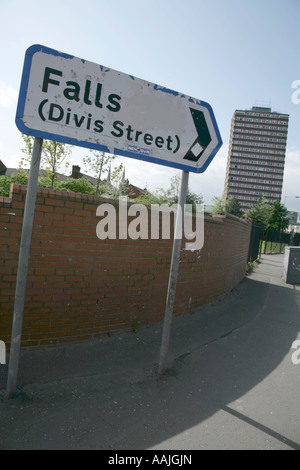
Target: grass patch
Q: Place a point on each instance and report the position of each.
(273, 247)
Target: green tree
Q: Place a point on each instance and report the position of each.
(170, 195)
(219, 205)
(260, 213)
(233, 207)
(54, 155)
(278, 219)
(25, 160)
(193, 198)
(229, 206)
(117, 177)
(100, 162)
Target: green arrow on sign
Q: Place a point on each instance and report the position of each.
(203, 139)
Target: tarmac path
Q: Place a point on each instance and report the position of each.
(231, 383)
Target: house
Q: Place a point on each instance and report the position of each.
(132, 190)
(76, 174)
(2, 168)
(4, 171)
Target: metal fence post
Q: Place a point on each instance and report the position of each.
(14, 354)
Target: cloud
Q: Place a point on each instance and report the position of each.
(8, 95)
(293, 157)
(291, 179)
(292, 164)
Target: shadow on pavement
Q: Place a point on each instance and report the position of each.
(231, 368)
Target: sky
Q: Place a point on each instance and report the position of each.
(232, 54)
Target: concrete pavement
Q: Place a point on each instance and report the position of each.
(232, 383)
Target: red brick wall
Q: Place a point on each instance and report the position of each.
(80, 287)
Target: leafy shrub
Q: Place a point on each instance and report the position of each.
(5, 182)
(81, 185)
(46, 182)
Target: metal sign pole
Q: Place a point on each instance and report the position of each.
(23, 267)
(173, 273)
